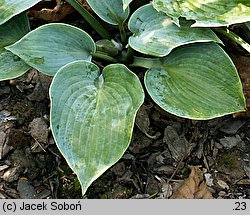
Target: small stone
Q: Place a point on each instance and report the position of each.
(222, 193)
(209, 179)
(25, 189)
(230, 142)
(223, 184)
(39, 130)
(11, 174)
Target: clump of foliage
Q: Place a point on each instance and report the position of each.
(93, 111)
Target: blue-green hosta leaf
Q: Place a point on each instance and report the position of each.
(52, 46)
(92, 115)
(206, 13)
(126, 3)
(12, 66)
(10, 8)
(197, 81)
(111, 11)
(155, 33)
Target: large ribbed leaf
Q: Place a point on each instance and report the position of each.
(110, 11)
(206, 13)
(11, 66)
(126, 3)
(51, 46)
(155, 33)
(197, 81)
(10, 8)
(92, 115)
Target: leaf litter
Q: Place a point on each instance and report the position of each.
(150, 168)
(156, 165)
(194, 187)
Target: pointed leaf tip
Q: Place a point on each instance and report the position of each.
(92, 115)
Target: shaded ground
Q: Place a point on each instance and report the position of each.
(154, 166)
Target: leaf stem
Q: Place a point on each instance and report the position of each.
(144, 62)
(103, 56)
(90, 19)
(123, 34)
(229, 34)
(129, 55)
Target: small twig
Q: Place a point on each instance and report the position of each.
(56, 155)
(176, 170)
(205, 162)
(38, 145)
(183, 157)
(153, 195)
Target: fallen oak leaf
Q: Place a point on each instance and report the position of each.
(203, 192)
(194, 187)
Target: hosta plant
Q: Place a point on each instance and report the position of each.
(93, 110)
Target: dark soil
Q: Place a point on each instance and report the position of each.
(155, 164)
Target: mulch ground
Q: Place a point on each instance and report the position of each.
(156, 163)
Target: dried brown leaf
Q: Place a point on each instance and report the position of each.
(178, 145)
(60, 11)
(194, 187)
(142, 119)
